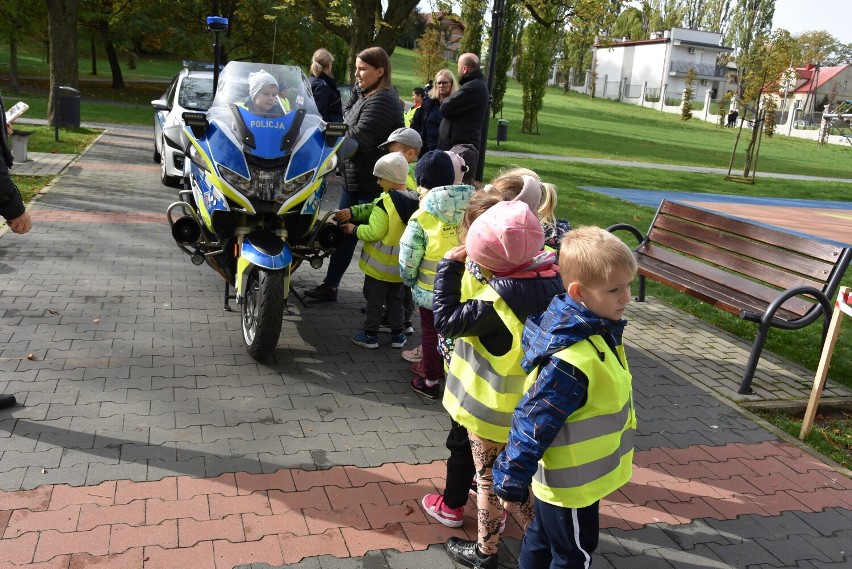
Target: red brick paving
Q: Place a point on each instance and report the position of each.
(288, 515)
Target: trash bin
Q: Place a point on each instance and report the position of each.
(19, 145)
(502, 130)
(68, 106)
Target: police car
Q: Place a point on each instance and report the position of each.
(190, 90)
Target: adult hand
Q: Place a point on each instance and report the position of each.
(458, 253)
(343, 215)
(9, 129)
(348, 228)
(20, 224)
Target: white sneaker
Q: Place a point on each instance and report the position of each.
(414, 355)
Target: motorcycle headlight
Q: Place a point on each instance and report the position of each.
(197, 158)
(291, 187)
(328, 166)
(241, 184)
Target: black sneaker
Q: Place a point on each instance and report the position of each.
(467, 553)
(7, 401)
(323, 293)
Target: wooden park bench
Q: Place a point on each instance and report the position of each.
(763, 275)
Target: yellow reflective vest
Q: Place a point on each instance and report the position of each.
(380, 259)
(592, 455)
(483, 389)
(440, 238)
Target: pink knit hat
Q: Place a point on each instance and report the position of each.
(505, 238)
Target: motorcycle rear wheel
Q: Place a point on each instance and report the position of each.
(262, 312)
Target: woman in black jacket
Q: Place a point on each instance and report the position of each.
(444, 86)
(373, 112)
(324, 87)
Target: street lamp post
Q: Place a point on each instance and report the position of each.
(497, 13)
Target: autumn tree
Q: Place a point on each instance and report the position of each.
(473, 18)
(361, 23)
(430, 52)
(750, 29)
(823, 48)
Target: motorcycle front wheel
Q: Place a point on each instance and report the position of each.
(262, 312)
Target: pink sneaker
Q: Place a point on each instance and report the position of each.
(433, 505)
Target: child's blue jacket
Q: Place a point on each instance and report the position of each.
(559, 385)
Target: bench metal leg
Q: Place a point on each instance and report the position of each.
(754, 358)
(641, 296)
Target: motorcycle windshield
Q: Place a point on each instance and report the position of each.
(235, 89)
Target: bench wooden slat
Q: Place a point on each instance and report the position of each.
(810, 267)
(724, 298)
(736, 292)
(742, 265)
(741, 268)
(781, 239)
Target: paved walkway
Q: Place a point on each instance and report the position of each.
(148, 438)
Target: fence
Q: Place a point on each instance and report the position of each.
(633, 91)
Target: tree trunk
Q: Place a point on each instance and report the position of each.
(114, 66)
(13, 63)
(94, 57)
(62, 31)
(363, 20)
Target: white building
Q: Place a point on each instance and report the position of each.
(657, 67)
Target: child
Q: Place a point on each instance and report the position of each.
(579, 406)
(554, 229)
(431, 232)
(263, 94)
(485, 380)
(407, 142)
(385, 221)
(448, 507)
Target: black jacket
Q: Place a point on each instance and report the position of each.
(454, 319)
(465, 113)
(327, 97)
(11, 204)
(430, 124)
(371, 120)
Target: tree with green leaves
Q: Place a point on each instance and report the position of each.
(473, 18)
(506, 51)
(630, 24)
(750, 29)
(430, 52)
(688, 94)
(20, 20)
(534, 65)
(823, 48)
(361, 23)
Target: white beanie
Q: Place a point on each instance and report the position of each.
(257, 80)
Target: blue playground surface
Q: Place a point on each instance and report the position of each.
(652, 198)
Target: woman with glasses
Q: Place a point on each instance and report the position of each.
(443, 87)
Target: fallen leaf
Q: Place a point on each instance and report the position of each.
(96, 320)
(31, 357)
(408, 510)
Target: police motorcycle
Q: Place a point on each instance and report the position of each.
(254, 182)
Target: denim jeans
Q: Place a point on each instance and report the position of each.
(340, 258)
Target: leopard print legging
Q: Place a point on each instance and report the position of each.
(488, 507)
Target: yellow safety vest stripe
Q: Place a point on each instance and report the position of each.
(592, 454)
(380, 259)
(482, 389)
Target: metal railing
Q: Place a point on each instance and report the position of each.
(701, 69)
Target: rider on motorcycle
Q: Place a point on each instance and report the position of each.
(263, 96)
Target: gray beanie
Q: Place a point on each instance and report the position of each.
(257, 80)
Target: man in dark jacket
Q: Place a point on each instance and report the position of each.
(11, 205)
(465, 112)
